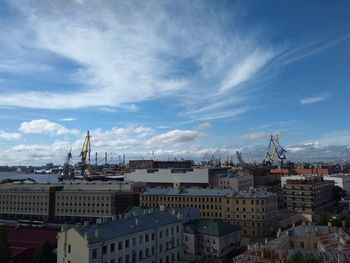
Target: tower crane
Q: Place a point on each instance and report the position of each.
(274, 149)
(85, 155)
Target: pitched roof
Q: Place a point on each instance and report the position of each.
(122, 227)
(210, 227)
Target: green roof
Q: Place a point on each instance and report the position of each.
(210, 227)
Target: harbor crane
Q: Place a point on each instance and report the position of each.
(85, 155)
(344, 156)
(66, 170)
(240, 158)
(274, 150)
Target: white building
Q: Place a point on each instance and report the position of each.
(150, 238)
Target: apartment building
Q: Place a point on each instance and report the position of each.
(210, 237)
(308, 195)
(329, 244)
(151, 238)
(255, 211)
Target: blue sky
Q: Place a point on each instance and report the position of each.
(177, 78)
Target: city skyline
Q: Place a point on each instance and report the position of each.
(180, 79)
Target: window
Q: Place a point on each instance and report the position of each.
(120, 245)
(112, 247)
(302, 244)
(104, 250)
(315, 245)
(69, 248)
(94, 253)
(126, 243)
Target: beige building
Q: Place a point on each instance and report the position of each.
(64, 202)
(329, 244)
(238, 182)
(308, 195)
(211, 237)
(151, 238)
(255, 211)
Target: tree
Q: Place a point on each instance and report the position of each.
(338, 193)
(299, 257)
(5, 253)
(337, 222)
(43, 253)
(323, 218)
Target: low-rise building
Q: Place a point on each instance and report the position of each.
(255, 211)
(329, 244)
(155, 237)
(210, 237)
(308, 195)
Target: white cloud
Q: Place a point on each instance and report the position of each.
(312, 100)
(256, 136)
(131, 52)
(175, 137)
(10, 136)
(43, 126)
(203, 126)
(68, 119)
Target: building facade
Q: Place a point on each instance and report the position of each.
(151, 238)
(255, 211)
(64, 203)
(210, 237)
(308, 195)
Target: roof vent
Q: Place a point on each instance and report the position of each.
(86, 223)
(99, 221)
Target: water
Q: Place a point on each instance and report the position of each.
(41, 178)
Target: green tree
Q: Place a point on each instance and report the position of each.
(43, 253)
(299, 257)
(5, 253)
(323, 218)
(337, 222)
(338, 193)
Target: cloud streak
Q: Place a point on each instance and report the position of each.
(313, 100)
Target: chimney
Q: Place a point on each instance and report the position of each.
(136, 221)
(120, 216)
(86, 236)
(114, 217)
(97, 234)
(162, 208)
(86, 223)
(99, 221)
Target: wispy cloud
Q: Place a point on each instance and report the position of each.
(68, 119)
(313, 100)
(10, 136)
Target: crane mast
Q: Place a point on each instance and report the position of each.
(85, 155)
(274, 149)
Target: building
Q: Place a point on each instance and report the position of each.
(152, 164)
(255, 211)
(225, 178)
(65, 202)
(341, 180)
(151, 238)
(308, 195)
(330, 244)
(211, 237)
(186, 177)
(186, 214)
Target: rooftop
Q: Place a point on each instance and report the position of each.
(118, 228)
(210, 227)
(254, 193)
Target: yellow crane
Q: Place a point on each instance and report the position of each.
(274, 149)
(85, 155)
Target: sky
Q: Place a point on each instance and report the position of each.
(179, 79)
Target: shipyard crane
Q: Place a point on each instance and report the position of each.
(240, 158)
(66, 171)
(85, 155)
(344, 156)
(274, 149)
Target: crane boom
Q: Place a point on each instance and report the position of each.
(85, 155)
(274, 149)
